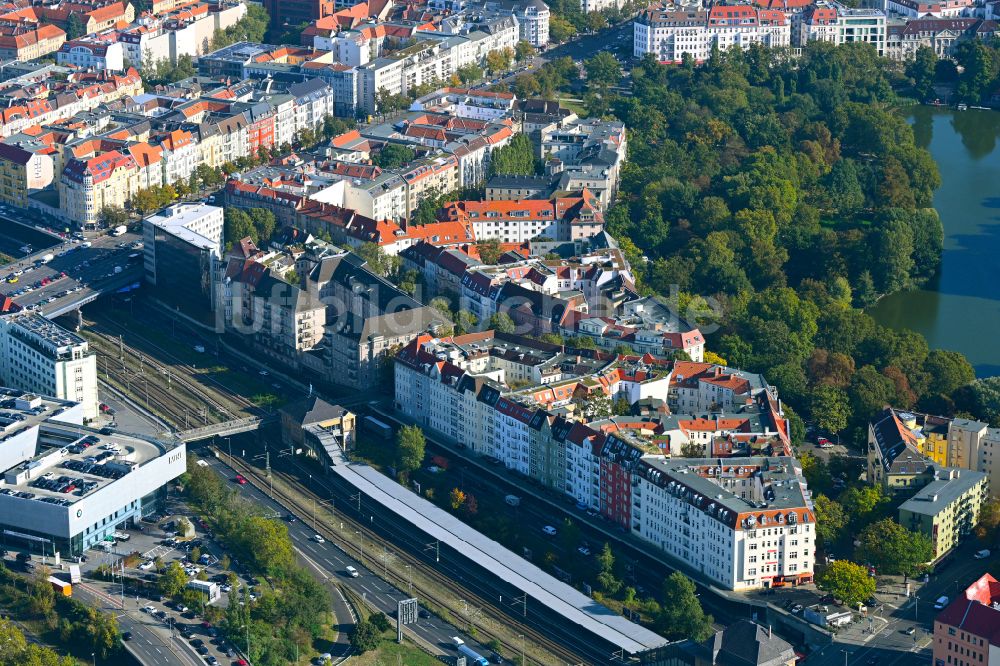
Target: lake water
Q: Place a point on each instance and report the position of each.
(960, 309)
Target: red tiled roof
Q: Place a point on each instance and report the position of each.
(973, 612)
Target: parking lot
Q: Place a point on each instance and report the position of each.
(156, 543)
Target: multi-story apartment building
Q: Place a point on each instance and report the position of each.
(967, 631)
(81, 91)
(395, 195)
(532, 18)
(368, 319)
(280, 319)
(915, 9)
(92, 53)
(646, 325)
(24, 40)
(569, 218)
(483, 105)
(167, 35)
(39, 356)
(745, 523)
(830, 21)
(940, 35)
(670, 34)
(586, 153)
(180, 155)
(434, 58)
(88, 185)
(904, 445)
(947, 508)
(23, 172)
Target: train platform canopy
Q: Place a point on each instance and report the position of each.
(550, 592)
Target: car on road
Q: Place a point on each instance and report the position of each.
(318, 539)
(240, 479)
(149, 609)
(290, 518)
(351, 572)
(941, 602)
(549, 530)
(910, 631)
(423, 613)
(583, 550)
(982, 555)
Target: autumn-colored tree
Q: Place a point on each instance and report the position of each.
(457, 498)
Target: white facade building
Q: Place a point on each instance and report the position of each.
(46, 514)
(92, 54)
(832, 22)
(745, 523)
(669, 34)
(39, 356)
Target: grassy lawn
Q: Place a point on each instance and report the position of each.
(390, 653)
(576, 107)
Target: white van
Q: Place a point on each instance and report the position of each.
(941, 603)
(351, 572)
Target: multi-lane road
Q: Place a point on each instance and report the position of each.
(153, 644)
(331, 563)
(80, 267)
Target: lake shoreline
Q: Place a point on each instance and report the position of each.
(959, 309)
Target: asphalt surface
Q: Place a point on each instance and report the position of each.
(87, 269)
(331, 563)
(151, 642)
(882, 640)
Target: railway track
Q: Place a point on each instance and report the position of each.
(440, 581)
(185, 368)
(163, 391)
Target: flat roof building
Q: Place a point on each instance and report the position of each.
(40, 356)
(947, 508)
(180, 244)
(67, 487)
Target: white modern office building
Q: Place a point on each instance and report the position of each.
(67, 487)
(44, 358)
